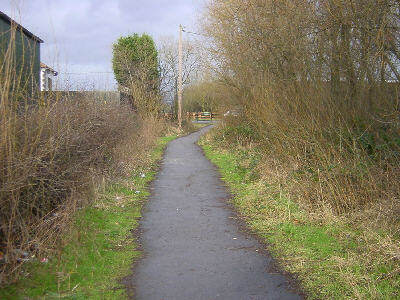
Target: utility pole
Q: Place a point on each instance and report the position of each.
(180, 77)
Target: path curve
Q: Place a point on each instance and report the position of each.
(193, 249)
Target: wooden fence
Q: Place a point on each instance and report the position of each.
(202, 116)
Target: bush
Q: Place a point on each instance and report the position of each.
(51, 157)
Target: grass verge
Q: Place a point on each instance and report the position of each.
(100, 248)
(333, 259)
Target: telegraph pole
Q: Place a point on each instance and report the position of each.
(180, 77)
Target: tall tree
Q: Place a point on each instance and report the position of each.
(168, 62)
(135, 65)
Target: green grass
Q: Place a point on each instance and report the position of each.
(100, 248)
(329, 258)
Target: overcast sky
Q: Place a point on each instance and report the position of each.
(78, 34)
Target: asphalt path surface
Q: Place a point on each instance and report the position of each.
(193, 246)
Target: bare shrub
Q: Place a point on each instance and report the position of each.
(318, 83)
(53, 154)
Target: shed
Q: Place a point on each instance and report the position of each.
(22, 49)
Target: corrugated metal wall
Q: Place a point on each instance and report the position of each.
(26, 58)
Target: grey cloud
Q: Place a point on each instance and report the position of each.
(80, 33)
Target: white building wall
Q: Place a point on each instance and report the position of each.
(45, 75)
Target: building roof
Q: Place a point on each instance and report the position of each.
(10, 21)
(44, 66)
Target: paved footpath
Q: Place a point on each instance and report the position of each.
(193, 248)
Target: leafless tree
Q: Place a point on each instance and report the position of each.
(168, 63)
